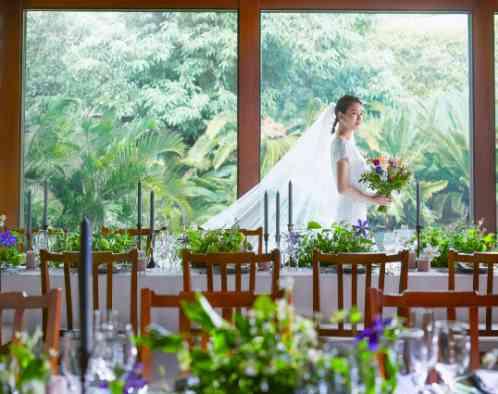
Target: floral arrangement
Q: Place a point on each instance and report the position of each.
(340, 238)
(9, 252)
(273, 350)
(464, 239)
(113, 242)
(23, 369)
(212, 241)
(385, 176)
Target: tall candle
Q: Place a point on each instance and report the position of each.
(418, 204)
(85, 275)
(29, 222)
(45, 205)
(277, 217)
(266, 213)
(139, 205)
(290, 204)
(151, 212)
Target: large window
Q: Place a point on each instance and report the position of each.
(112, 98)
(412, 73)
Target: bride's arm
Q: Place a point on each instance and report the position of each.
(344, 186)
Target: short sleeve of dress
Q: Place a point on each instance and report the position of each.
(339, 150)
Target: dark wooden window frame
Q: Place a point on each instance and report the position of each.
(482, 85)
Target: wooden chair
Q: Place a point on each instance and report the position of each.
(49, 303)
(356, 260)
(476, 260)
(150, 300)
(72, 260)
(223, 261)
(437, 299)
(258, 232)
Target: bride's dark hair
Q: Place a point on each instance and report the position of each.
(342, 106)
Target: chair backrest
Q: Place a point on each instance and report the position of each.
(223, 261)
(476, 260)
(72, 260)
(258, 232)
(356, 261)
(150, 299)
(50, 302)
(437, 299)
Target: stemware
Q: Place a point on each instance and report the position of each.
(454, 350)
(70, 361)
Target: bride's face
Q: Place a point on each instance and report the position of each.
(351, 120)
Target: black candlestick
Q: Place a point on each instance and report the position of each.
(277, 220)
(45, 206)
(152, 263)
(266, 235)
(139, 214)
(418, 227)
(29, 223)
(85, 275)
(290, 207)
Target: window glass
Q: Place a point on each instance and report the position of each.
(112, 98)
(412, 73)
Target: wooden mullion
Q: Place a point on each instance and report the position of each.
(483, 114)
(132, 4)
(11, 37)
(249, 116)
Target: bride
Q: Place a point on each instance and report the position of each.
(324, 169)
(348, 163)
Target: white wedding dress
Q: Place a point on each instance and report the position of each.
(311, 166)
(349, 209)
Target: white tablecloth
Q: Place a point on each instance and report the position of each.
(171, 283)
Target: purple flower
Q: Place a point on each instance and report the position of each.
(374, 333)
(361, 228)
(133, 382)
(379, 170)
(7, 239)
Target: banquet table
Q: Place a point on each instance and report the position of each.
(171, 283)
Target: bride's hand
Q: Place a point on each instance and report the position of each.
(381, 200)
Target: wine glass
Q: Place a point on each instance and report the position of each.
(454, 350)
(70, 362)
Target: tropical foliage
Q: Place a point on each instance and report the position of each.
(152, 96)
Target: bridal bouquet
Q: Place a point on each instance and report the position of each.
(385, 176)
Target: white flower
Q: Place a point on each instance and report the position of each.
(3, 219)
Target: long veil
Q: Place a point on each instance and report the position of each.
(308, 165)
